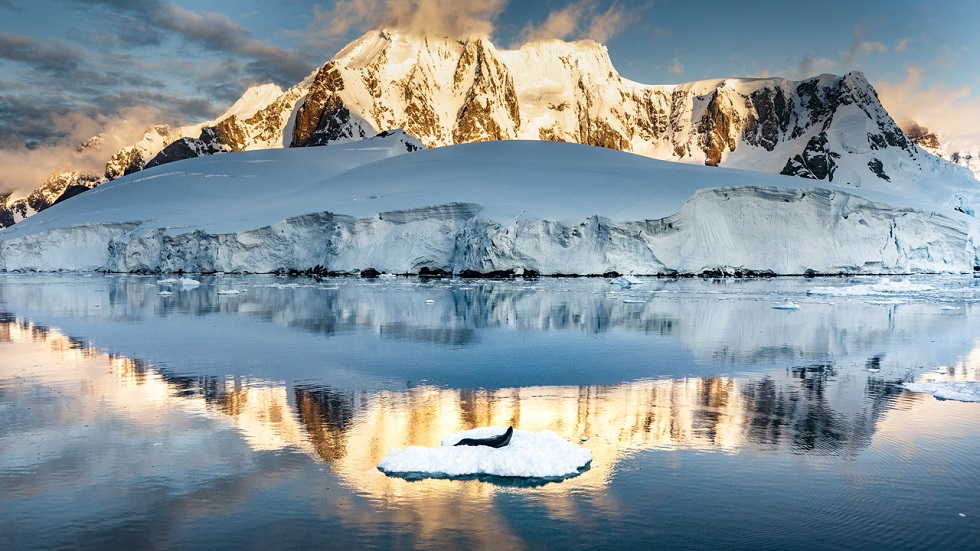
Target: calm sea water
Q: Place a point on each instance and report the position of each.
(134, 420)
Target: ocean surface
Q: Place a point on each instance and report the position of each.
(250, 412)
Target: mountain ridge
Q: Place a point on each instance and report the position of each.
(445, 91)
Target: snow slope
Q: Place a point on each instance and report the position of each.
(542, 206)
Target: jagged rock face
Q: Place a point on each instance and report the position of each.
(184, 148)
(816, 162)
(922, 137)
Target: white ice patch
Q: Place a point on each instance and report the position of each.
(884, 287)
(962, 391)
(788, 305)
(188, 283)
(626, 281)
(529, 455)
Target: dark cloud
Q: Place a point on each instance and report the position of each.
(54, 57)
(214, 32)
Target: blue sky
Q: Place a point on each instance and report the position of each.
(68, 67)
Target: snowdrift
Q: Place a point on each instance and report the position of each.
(550, 208)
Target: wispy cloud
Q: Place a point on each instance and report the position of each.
(581, 19)
(444, 17)
(860, 48)
(676, 68)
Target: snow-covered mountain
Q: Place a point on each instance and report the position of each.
(933, 143)
(525, 206)
(447, 91)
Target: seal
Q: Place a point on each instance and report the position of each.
(493, 441)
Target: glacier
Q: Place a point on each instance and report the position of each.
(512, 206)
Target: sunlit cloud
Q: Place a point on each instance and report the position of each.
(583, 19)
(951, 112)
(440, 17)
(26, 167)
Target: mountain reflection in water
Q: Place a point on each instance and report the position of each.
(207, 404)
(803, 410)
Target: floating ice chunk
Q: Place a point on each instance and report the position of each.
(584, 439)
(529, 455)
(626, 281)
(631, 301)
(885, 286)
(430, 301)
(165, 293)
(229, 292)
(188, 283)
(788, 305)
(963, 391)
(167, 281)
(950, 308)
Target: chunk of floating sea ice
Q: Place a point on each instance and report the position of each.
(528, 455)
(165, 293)
(167, 281)
(188, 283)
(229, 292)
(430, 301)
(950, 308)
(788, 305)
(630, 301)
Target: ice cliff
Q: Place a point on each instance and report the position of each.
(545, 207)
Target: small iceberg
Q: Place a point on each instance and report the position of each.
(167, 281)
(165, 293)
(188, 283)
(788, 305)
(529, 455)
(961, 391)
(625, 282)
(229, 292)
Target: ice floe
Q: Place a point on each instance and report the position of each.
(962, 391)
(188, 283)
(534, 455)
(625, 282)
(788, 305)
(883, 287)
